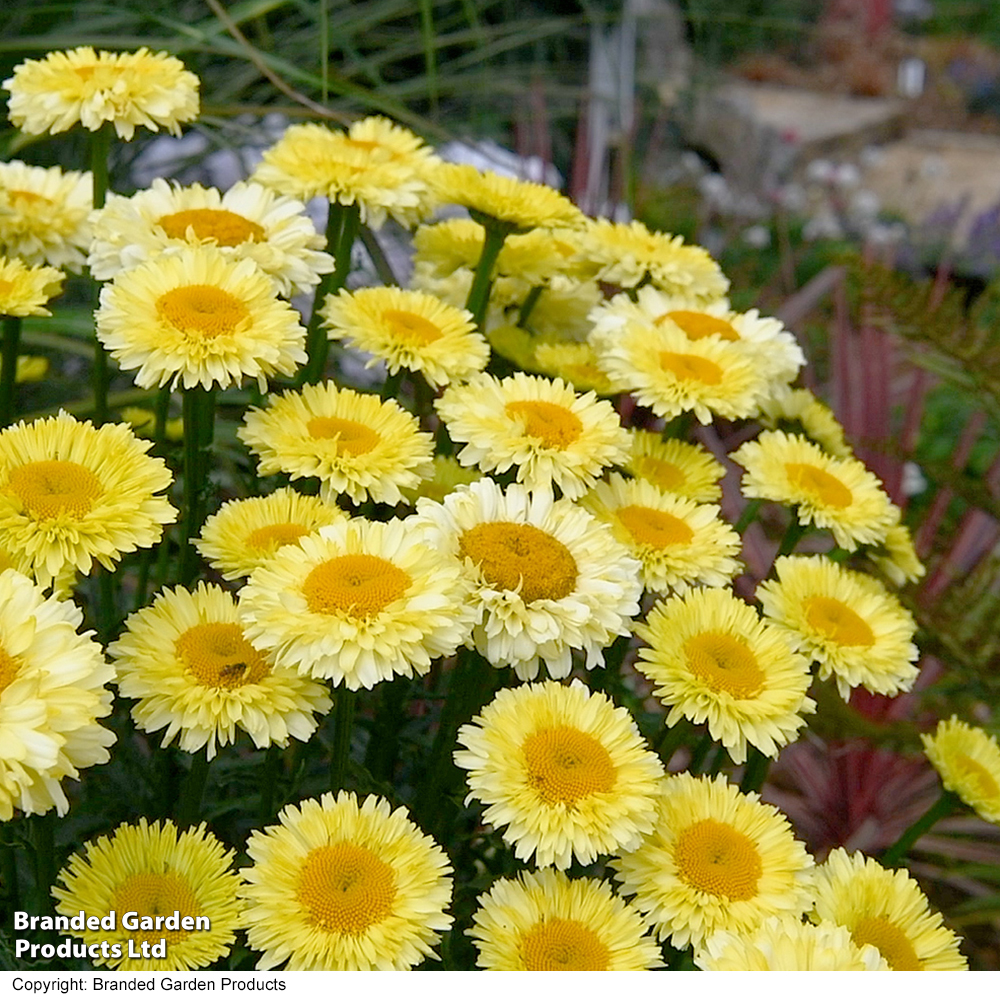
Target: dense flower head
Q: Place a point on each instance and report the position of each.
(552, 435)
(547, 578)
(717, 859)
(153, 869)
(44, 214)
(353, 442)
(798, 411)
(188, 663)
(52, 692)
(968, 761)
(545, 921)
(248, 221)
(198, 317)
(360, 603)
(563, 771)
(72, 494)
(887, 910)
(377, 165)
(25, 290)
(674, 466)
(338, 885)
(89, 88)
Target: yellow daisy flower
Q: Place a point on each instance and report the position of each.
(848, 622)
(678, 542)
(798, 411)
(52, 692)
(409, 330)
(187, 662)
(629, 254)
(552, 435)
(44, 214)
(786, 944)
(72, 494)
(547, 577)
(774, 349)
(564, 771)
(689, 470)
(361, 603)
(354, 442)
(718, 859)
(835, 493)
(713, 660)
(521, 205)
(31, 368)
(125, 88)
(572, 362)
(154, 871)
(24, 290)
(337, 886)
(248, 221)
(244, 534)
(376, 164)
(895, 557)
(197, 317)
(446, 477)
(968, 761)
(672, 374)
(887, 910)
(562, 309)
(545, 921)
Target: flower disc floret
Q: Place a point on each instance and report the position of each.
(718, 859)
(564, 772)
(545, 921)
(198, 317)
(89, 88)
(359, 604)
(674, 466)
(72, 494)
(552, 435)
(153, 870)
(713, 660)
(839, 494)
(52, 692)
(353, 442)
(968, 761)
(546, 576)
(340, 886)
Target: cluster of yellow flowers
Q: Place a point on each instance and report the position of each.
(554, 531)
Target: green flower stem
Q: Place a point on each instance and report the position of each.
(793, 535)
(382, 266)
(392, 383)
(193, 790)
(342, 225)
(748, 516)
(43, 842)
(755, 771)
(482, 279)
(700, 753)
(199, 429)
(100, 149)
(948, 803)
(343, 724)
(161, 410)
(8, 367)
(383, 747)
(672, 739)
(8, 876)
(528, 304)
(268, 784)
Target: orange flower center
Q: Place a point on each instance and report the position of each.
(272, 537)
(156, 894)
(819, 484)
(697, 325)
(724, 663)
(691, 368)
(218, 656)
(346, 888)
(666, 475)
(984, 782)
(563, 946)
(227, 228)
(352, 437)
(655, 528)
(411, 328)
(565, 765)
(202, 309)
(521, 558)
(52, 488)
(9, 667)
(894, 945)
(553, 425)
(27, 198)
(358, 585)
(838, 622)
(715, 858)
